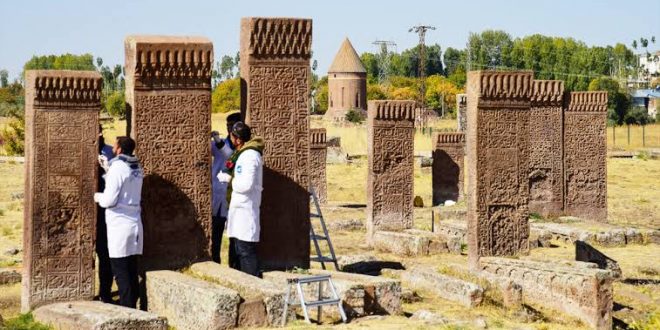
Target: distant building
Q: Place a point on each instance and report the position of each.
(347, 83)
(647, 98)
(650, 63)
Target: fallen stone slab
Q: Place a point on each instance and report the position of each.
(191, 303)
(429, 318)
(587, 253)
(345, 225)
(612, 236)
(446, 287)
(382, 295)
(414, 242)
(88, 315)
(262, 302)
(351, 293)
(575, 289)
(9, 276)
(366, 264)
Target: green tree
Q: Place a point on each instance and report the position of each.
(372, 65)
(115, 104)
(227, 96)
(83, 62)
(637, 115)
(321, 96)
(376, 92)
(4, 78)
(454, 60)
(227, 66)
(618, 102)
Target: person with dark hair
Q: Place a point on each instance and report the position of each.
(221, 149)
(244, 174)
(121, 200)
(105, 270)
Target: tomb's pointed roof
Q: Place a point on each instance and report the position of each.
(347, 60)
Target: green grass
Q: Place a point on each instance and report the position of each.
(24, 322)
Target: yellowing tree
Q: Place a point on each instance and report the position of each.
(439, 89)
(403, 93)
(227, 96)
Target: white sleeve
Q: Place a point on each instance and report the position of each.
(245, 172)
(113, 182)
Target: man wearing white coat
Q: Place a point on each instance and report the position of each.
(244, 173)
(121, 200)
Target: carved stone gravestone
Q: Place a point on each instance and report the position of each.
(168, 92)
(461, 112)
(390, 152)
(498, 166)
(585, 155)
(275, 54)
(546, 146)
(61, 140)
(448, 158)
(317, 154)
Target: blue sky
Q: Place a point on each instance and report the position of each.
(85, 26)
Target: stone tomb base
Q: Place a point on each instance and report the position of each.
(95, 315)
(446, 287)
(575, 289)
(413, 242)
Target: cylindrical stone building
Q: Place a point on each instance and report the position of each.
(347, 83)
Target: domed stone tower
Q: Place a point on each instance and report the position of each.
(347, 83)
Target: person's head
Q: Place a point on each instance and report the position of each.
(123, 145)
(240, 133)
(233, 119)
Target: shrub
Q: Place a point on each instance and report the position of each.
(354, 116)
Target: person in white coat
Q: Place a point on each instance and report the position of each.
(121, 200)
(244, 174)
(221, 149)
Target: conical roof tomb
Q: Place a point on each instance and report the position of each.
(347, 60)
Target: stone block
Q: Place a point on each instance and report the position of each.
(9, 276)
(254, 291)
(317, 155)
(575, 289)
(587, 253)
(414, 242)
(446, 287)
(95, 315)
(448, 172)
(191, 303)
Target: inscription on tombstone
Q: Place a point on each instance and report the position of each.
(461, 113)
(61, 141)
(317, 154)
(168, 91)
(448, 158)
(275, 54)
(585, 155)
(390, 151)
(546, 147)
(498, 166)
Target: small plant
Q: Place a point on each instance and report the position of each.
(643, 155)
(24, 322)
(354, 116)
(535, 217)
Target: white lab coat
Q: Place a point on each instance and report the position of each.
(219, 189)
(121, 200)
(247, 184)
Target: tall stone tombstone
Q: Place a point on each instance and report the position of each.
(461, 112)
(61, 146)
(390, 142)
(585, 155)
(448, 160)
(498, 166)
(275, 54)
(546, 148)
(168, 94)
(317, 155)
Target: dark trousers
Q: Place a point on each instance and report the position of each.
(126, 273)
(217, 227)
(243, 256)
(105, 270)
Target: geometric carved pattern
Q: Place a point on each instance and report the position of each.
(275, 54)
(498, 166)
(461, 112)
(169, 98)
(390, 177)
(317, 155)
(447, 173)
(585, 152)
(545, 154)
(61, 144)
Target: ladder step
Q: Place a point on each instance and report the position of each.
(322, 302)
(322, 259)
(319, 237)
(309, 279)
(314, 215)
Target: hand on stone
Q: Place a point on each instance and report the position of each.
(103, 162)
(97, 196)
(224, 177)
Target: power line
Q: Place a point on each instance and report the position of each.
(421, 31)
(384, 63)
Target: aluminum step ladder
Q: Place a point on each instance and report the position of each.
(321, 279)
(325, 237)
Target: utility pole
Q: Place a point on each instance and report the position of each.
(384, 63)
(421, 31)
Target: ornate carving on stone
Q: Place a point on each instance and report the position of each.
(546, 148)
(61, 142)
(317, 156)
(498, 166)
(448, 158)
(390, 152)
(170, 122)
(585, 155)
(274, 102)
(158, 62)
(461, 112)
